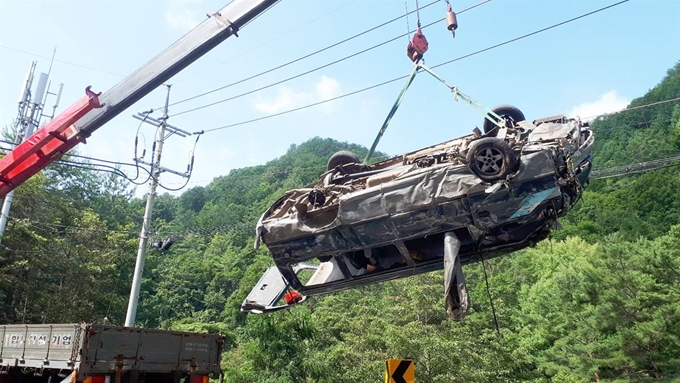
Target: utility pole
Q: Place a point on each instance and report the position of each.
(28, 120)
(155, 171)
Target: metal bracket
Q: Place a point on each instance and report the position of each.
(162, 168)
(232, 28)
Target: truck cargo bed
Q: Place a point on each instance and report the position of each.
(93, 349)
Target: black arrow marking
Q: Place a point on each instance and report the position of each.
(398, 375)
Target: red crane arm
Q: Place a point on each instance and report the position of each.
(46, 145)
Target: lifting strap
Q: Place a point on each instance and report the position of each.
(409, 80)
(487, 113)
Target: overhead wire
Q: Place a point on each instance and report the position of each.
(12, 250)
(61, 61)
(75, 164)
(248, 227)
(36, 223)
(303, 73)
(400, 78)
(634, 168)
(300, 59)
(530, 34)
(394, 79)
(118, 172)
(630, 125)
(271, 174)
(158, 232)
(266, 43)
(639, 171)
(96, 166)
(633, 108)
(89, 166)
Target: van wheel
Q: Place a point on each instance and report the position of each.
(508, 112)
(342, 157)
(491, 158)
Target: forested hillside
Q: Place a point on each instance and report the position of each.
(598, 301)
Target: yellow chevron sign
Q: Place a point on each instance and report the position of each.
(399, 371)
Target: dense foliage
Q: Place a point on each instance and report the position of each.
(598, 301)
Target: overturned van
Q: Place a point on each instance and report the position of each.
(481, 195)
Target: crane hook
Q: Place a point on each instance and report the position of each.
(417, 46)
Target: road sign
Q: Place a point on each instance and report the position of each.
(399, 371)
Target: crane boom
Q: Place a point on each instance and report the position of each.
(90, 113)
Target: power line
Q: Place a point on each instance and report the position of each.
(306, 106)
(267, 43)
(299, 59)
(629, 173)
(619, 171)
(638, 167)
(41, 224)
(302, 169)
(531, 33)
(157, 232)
(311, 70)
(287, 171)
(634, 108)
(93, 166)
(395, 79)
(106, 168)
(643, 167)
(11, 250)
(97, 166)
(61, 61)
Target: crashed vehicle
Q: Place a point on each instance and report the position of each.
(482, 195)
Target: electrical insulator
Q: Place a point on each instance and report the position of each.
(451, 22)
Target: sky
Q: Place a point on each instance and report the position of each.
(593, 65)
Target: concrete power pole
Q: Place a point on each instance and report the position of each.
(28, 119)
(156, 170)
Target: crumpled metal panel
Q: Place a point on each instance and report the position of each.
(533, 166)
(550, 131)
(412, 191)
(534, 184)
(426, 200)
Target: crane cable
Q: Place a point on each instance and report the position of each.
(388, 81)
(308, 56)
(488, 292)
(408, 26)
(418, 13)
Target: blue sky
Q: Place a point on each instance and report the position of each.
(593, 65)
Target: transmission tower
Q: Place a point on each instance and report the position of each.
(29, 116)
